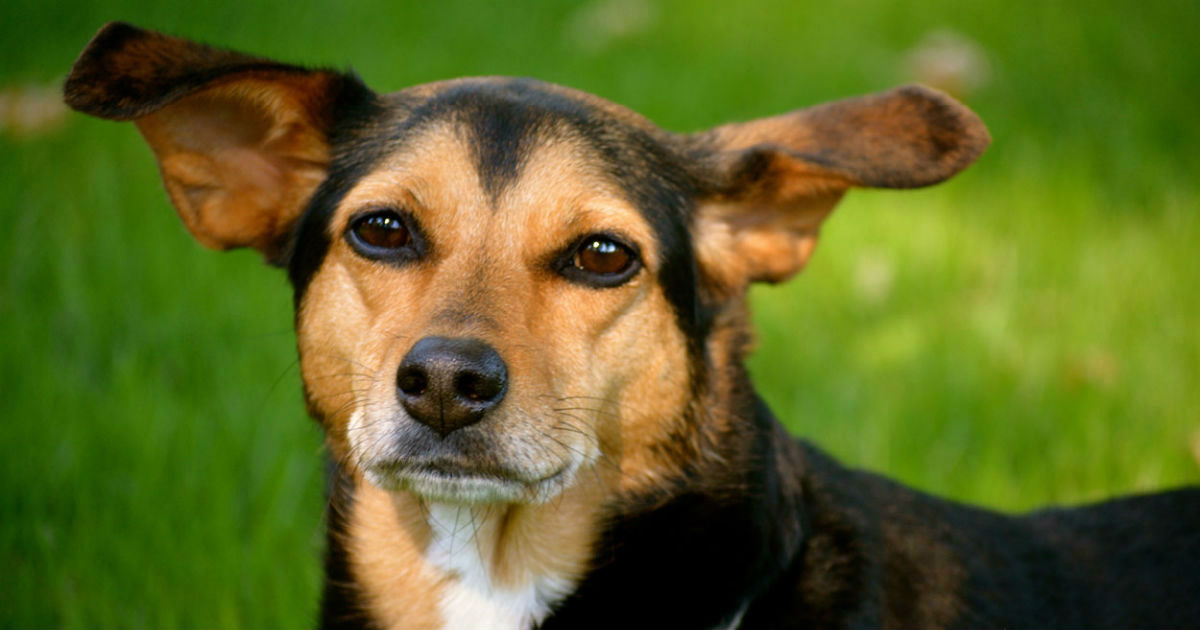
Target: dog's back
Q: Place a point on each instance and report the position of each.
(1126, 562)
(880, 554)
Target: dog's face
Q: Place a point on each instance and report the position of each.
(477, 327)
(501, 284)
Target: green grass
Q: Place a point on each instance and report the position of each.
(1025, 334)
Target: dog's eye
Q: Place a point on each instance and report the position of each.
(601, 261)
(387, 235)
(602, 256)
(384, 230)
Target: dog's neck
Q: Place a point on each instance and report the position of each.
(699, 557)
(699, 549)
(505, 566)
(415, 564)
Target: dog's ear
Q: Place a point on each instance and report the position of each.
(768, 184)
(242, 143)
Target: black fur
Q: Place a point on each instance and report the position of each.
(342, 603)
(832, 547)
(702, 556)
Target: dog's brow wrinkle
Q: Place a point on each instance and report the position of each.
(462, 318)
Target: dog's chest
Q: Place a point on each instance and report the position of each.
(462, 547)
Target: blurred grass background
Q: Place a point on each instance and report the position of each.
(1022, 335)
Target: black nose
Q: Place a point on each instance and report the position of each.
(447, 384)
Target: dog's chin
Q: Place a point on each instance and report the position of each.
(466, 487)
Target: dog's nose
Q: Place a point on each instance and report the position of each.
(447, 384)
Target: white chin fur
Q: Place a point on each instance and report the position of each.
(469, 490)
(457, 489)
(473, 600)
(459, 509)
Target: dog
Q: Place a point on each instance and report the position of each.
(521, 321)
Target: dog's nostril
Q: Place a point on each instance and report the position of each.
(412, 381)
(479, 387)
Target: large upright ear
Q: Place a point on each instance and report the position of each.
(771, 182)
(242, 142)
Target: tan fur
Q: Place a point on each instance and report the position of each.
(386, 536)
(770, 243)
(239, 161)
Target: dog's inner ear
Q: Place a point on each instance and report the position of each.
(242, 143)
(770, 183)
(239, 162)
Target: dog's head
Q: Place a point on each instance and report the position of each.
(499, 282)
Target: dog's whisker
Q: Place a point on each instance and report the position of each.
(343, 375)
(345, 359)
(597, 411)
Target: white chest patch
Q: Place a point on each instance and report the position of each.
(472, 600)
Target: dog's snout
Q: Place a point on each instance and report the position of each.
(447, 383)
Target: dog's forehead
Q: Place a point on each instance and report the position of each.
(494, 129)
(503, 120)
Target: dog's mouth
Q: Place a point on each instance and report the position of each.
(453, 482)
(475, 465)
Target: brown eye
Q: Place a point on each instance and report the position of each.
(600, 261)
(382, 230)
(602, 256)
